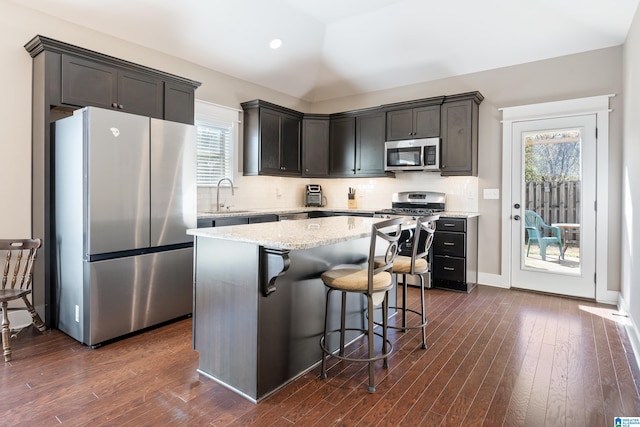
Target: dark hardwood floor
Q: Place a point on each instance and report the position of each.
(495, 357)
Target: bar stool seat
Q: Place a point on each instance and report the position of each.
(374, 283)
(415, 265)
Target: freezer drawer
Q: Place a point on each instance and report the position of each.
(129, 294)
(124, 295)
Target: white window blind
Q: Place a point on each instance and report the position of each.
(216, 137)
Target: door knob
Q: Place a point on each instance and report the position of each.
(516, 217)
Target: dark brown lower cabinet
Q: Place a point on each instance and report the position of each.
(455, 254)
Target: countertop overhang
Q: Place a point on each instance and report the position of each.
(346, 211)
(294, 235)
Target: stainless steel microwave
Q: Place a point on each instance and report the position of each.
(412, 155)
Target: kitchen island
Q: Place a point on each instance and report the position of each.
(259, 301)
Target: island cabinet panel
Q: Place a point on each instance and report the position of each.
(272, 139)
(315, 146)
(253, 342)
(459, 133)
(92, 83)
(412, 123)
(225, 326)
(357, 145)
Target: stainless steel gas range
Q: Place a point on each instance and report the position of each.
(414, 204)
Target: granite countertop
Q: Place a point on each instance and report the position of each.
(294, 235)
(251, 212)
(451, 214)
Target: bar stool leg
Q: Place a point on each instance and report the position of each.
(370, 338)
(323, 372)
(404, 303)
(423, 313)
(385, 317)
(343, 322)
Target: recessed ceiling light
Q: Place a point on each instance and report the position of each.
(275, 43)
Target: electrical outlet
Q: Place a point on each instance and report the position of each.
(491, 193)
(77, 313)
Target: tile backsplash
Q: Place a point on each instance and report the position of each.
(265, 192)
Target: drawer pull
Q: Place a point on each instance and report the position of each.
(449, 268)
(448, 243)
(449, 224)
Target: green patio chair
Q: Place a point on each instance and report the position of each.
(542, 234)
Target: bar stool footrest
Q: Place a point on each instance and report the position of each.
(335, 354)
(401, 309)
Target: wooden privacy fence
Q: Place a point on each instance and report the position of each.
(555, 202)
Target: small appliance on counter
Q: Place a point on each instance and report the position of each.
(313, 195)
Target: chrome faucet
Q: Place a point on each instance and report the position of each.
(218, 191)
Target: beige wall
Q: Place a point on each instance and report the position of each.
(630, 176)
(592, 73)
(18, 26)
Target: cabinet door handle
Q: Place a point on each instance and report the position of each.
(120, 106)
(448, 243)
(449, 268)
(114, 105)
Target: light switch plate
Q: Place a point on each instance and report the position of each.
(491, 193)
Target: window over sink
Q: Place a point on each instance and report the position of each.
(217, 136)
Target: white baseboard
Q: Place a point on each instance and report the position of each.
(631, 327)
(492, 280)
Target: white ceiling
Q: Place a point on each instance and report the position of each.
(334, 48)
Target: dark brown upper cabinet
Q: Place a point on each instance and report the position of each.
(315, 146)
(357, 144)
(459, 131)
(179, 102)
(413, 123)
(73, 77)
(92, 83)
(283, 142)
(272, 139)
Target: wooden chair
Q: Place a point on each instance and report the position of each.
(374, 283)
(19, 258)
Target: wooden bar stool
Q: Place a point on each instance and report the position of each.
(374, 283)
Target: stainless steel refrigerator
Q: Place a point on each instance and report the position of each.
(125, 194)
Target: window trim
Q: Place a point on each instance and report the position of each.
(216, 114)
